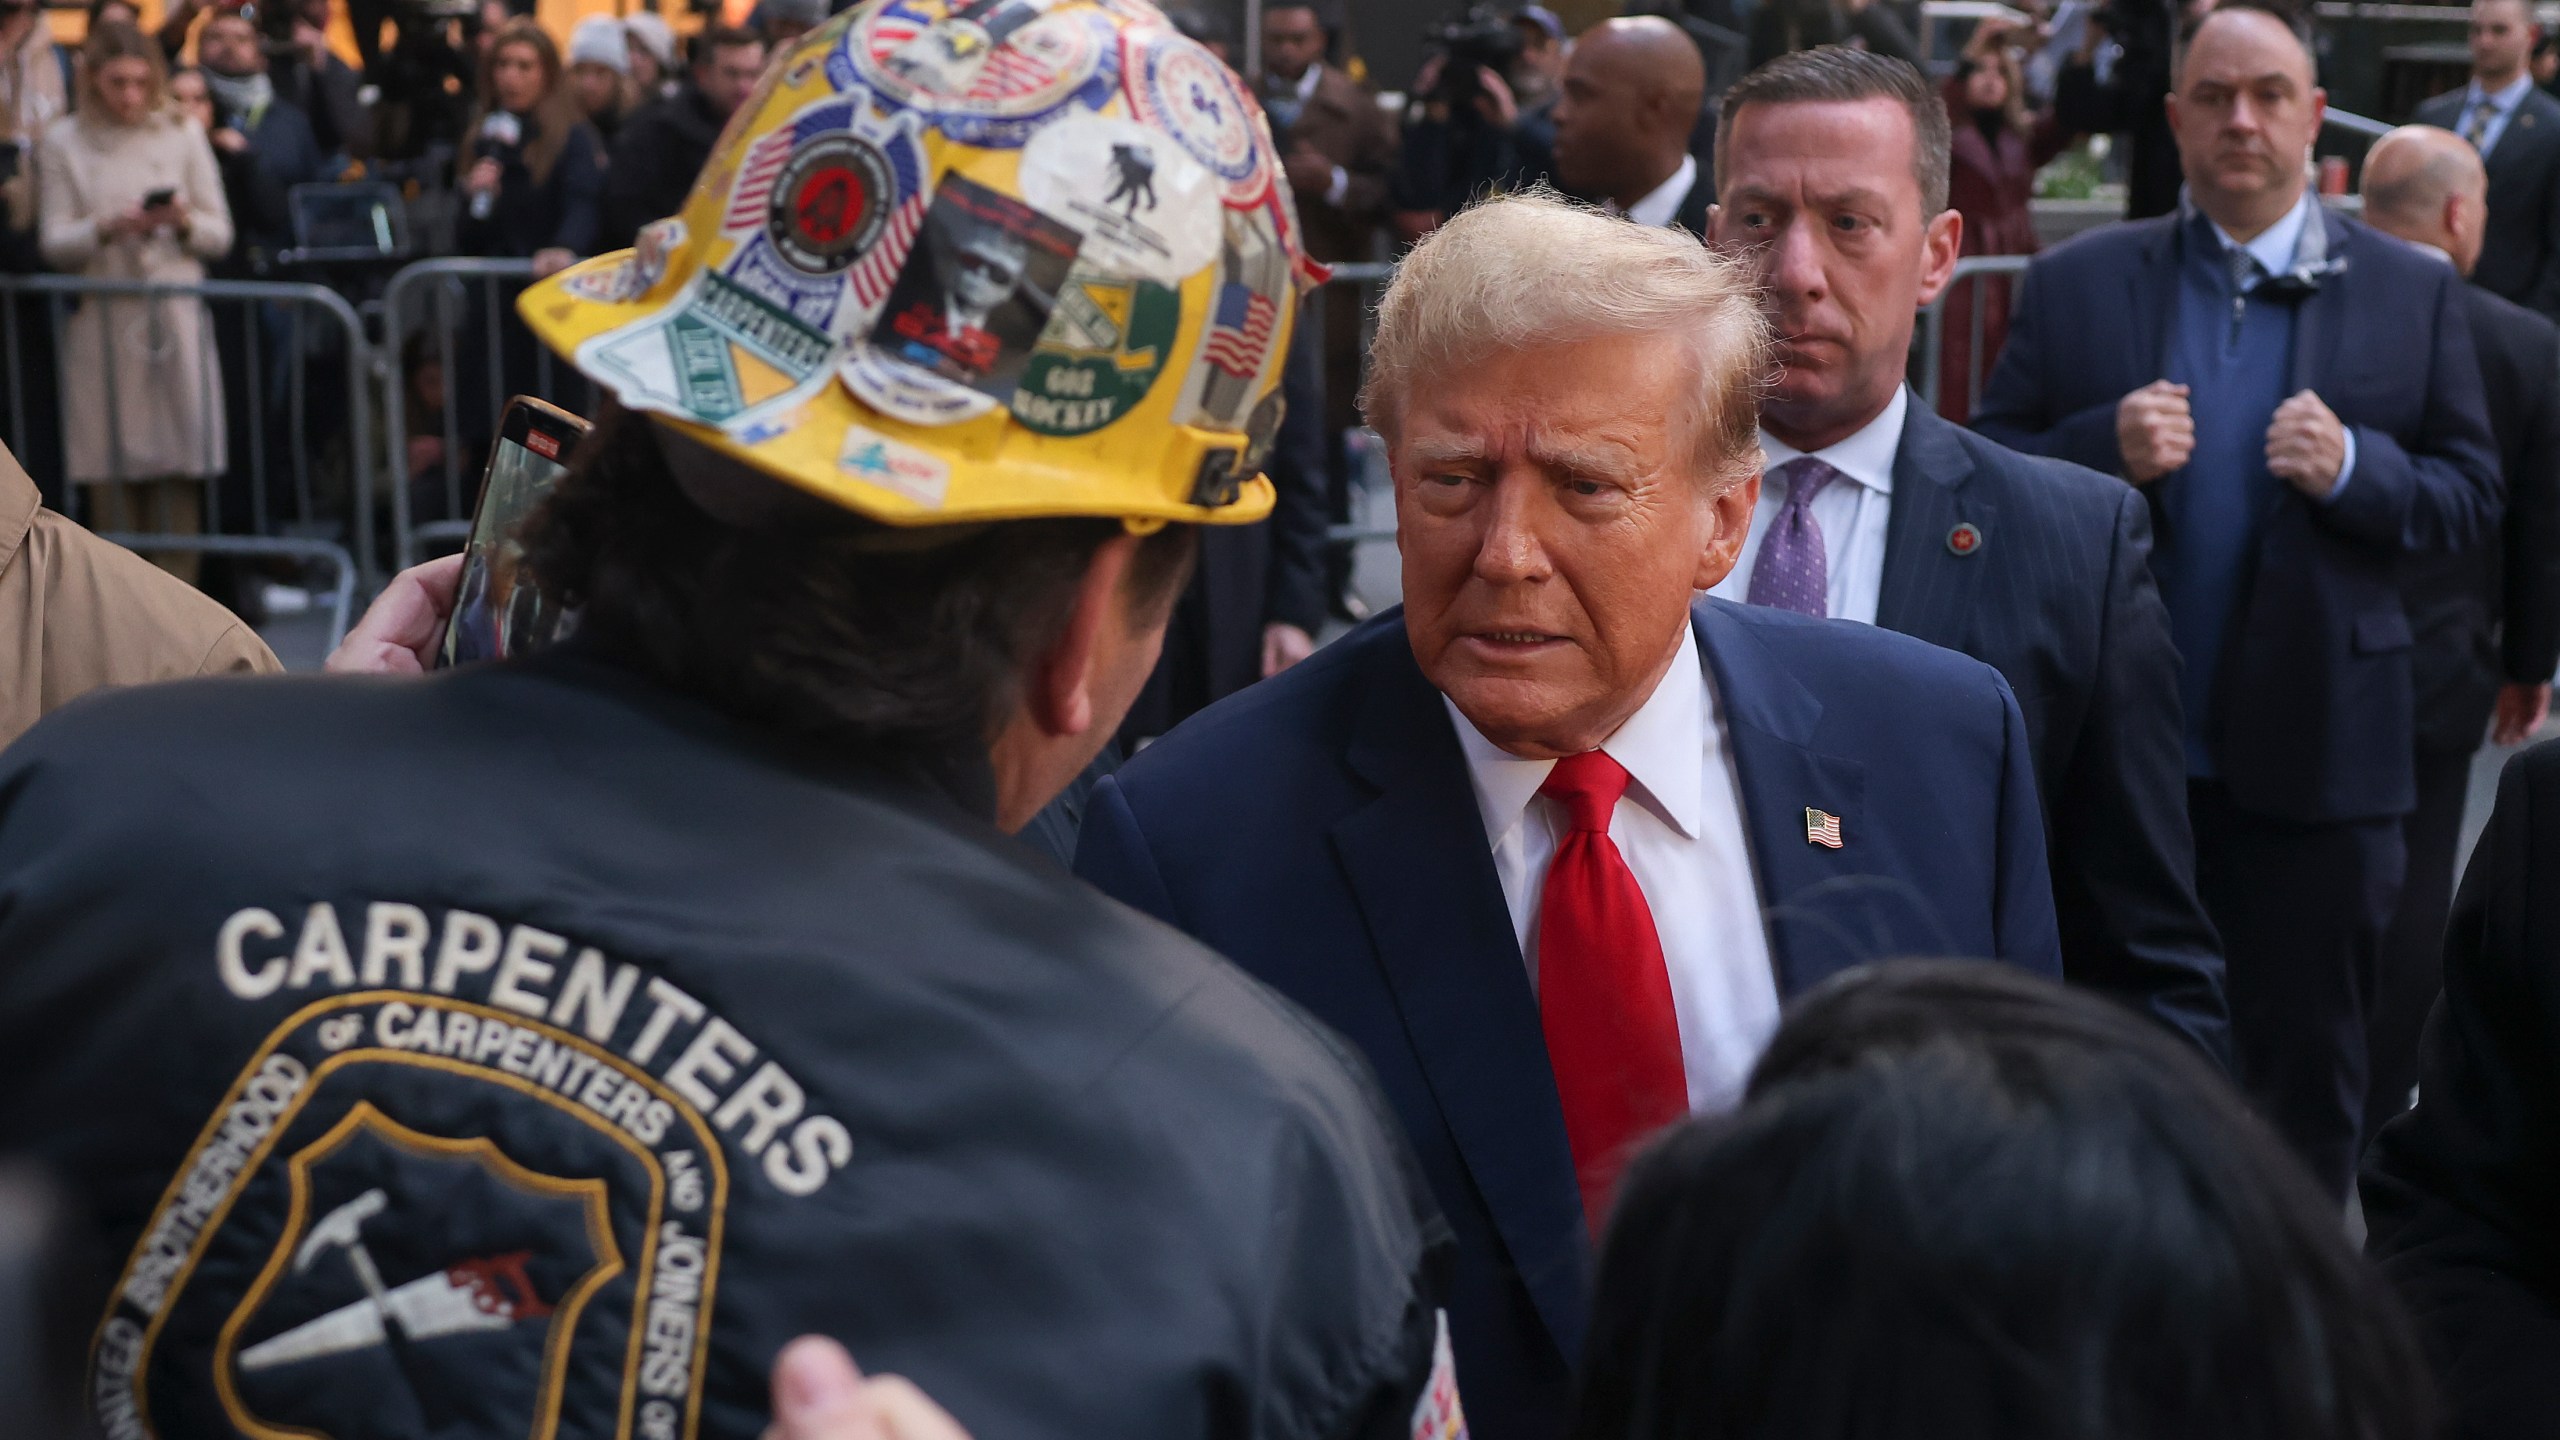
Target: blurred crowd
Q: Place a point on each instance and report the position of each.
(1831, 908)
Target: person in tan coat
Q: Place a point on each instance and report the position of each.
(78, 613)
(143, 389)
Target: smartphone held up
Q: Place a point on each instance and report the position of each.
(500, 611)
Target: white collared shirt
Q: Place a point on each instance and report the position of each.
(1853, 511)
(2275, 247)
(1663, 206)
(1680, 827)
(2506, 100)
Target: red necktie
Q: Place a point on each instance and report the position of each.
(1603, 995)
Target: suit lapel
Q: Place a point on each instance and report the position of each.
(1418, 865)
(1928, 587)
(2152, 291)
(2317, 327)
(1818, 912)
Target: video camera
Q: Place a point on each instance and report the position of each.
(1480, 38)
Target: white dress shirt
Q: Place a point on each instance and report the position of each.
(1853, 512)
(1680, 828)
(1662, 206)
(2506, 100)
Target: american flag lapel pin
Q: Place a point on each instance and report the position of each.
(1822, 828)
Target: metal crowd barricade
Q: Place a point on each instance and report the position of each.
(453, 352)
(297, 462)
(1976, 277)
(1370, 277)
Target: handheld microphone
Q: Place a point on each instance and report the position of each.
(499, 130)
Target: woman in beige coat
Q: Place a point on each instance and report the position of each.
(142, 390)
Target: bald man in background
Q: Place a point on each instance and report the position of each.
(2486, 620)
(1632, 95)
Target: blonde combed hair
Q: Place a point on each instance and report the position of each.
(1534, 269)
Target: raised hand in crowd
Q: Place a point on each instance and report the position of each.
(2306, 445)
(820, 1394)
(2155, 430)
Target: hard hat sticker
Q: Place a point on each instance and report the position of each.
(831, 203)
(988, 72)
(875, 459)
(637, 273)
(1177, 87)
(1107, 341)
(1244, 324)
(721, 356)
(977, 288)
(902, 392)
(824, 210)
(1146, 207)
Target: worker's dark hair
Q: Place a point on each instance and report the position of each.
(1833, 73)
(1961, 1201)
(713, 39)
(2283, 13)
(804, 617)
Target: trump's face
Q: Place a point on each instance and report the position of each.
(1554, 525)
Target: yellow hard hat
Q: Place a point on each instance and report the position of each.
(962, 260)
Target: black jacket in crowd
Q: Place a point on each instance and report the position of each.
(2491, 615)
(656, 158)
(2462, 1194)
(529, 214)
(2131, 102)
(450, 1055)
(2520, 254)
(258, 182)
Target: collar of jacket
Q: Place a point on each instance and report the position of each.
(953, 777)
(19, 502)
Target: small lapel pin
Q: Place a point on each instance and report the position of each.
(1964, 539)
(1822, 828)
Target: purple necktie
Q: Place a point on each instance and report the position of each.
(1794, 569)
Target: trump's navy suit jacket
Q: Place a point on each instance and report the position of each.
(2313, 710)
(1321, 830)
(2052, 587)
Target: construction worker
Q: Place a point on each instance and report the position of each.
(535, 1048)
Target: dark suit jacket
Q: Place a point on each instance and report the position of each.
(1248, 576)
(2462, 1194)
(2058, 598)
(2314, 714)
(1345, 125)
(2491, 615)
(1320, 829)
(2520, 256)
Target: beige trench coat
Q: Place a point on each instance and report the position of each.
(78, 614)
(142, 391)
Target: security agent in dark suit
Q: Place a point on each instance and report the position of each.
(2487, 620)
(1632, 93)
(1513, 840)
(2299, 401)
(2036, 567)
(2516, 129)
(2462, 1194)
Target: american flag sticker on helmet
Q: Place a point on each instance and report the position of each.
(1822, 828)
(1240, 330)
(1438, 1416)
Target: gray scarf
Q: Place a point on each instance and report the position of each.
(240, 99)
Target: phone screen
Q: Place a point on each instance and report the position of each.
(158, 198)
(499, 611)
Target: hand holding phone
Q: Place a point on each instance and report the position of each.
(499, 608)
(159, 199)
